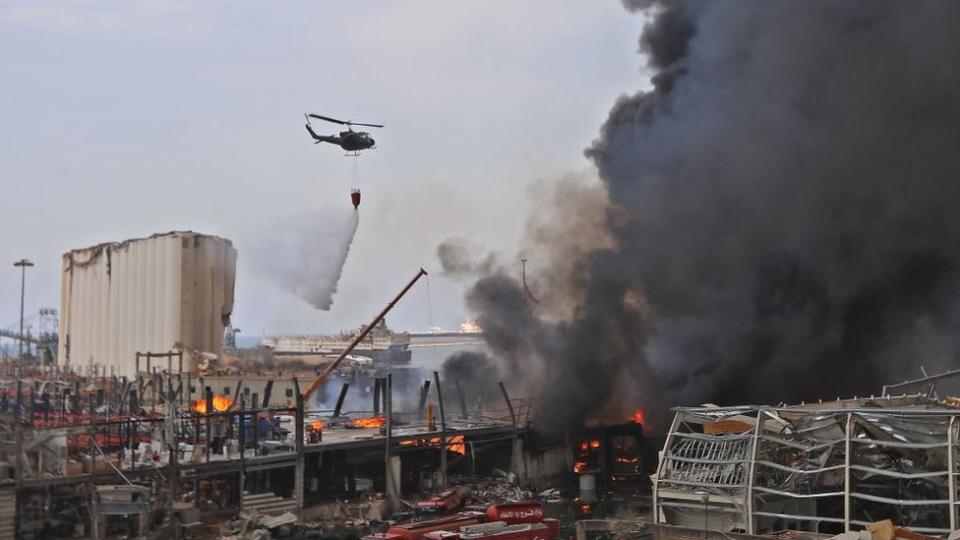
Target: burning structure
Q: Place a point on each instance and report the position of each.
(616, 453)
(823, 467)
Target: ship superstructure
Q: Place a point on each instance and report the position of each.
(381, 345)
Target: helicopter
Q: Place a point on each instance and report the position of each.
(350, 140)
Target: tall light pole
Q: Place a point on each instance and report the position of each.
(23, 264)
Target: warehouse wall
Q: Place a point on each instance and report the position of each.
(146, 295)
(282, 394)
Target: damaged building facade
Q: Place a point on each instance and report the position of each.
(824, 467)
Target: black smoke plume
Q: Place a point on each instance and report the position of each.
(477, 374)
(469, 366)
(783, 217)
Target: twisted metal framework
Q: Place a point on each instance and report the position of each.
(821, 467)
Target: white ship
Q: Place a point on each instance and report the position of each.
(381, 345)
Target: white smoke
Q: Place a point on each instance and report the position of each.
(305, 254)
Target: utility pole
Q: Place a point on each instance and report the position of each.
(23, 264)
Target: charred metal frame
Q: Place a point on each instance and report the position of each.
(926, 379)
(750, 467)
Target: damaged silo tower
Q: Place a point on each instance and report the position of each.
(144, 295)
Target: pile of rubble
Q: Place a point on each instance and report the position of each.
(472, 493)
(253, 526)
(488, 490)
(258, 526)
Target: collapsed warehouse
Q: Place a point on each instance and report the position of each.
(823, 467)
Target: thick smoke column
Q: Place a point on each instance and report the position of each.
(476, 373)
(306, 253)
(782, 221)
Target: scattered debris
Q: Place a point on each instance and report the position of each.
(255, 526)
(551, 495)
(485, 491)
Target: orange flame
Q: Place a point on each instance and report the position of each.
(371, 422)
(584, 451)
(454, 444)
(638, 417)
(317, 425)
(220, 404)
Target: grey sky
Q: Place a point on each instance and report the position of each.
(124, 118)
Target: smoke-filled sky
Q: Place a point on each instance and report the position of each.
(778, 218)
(122, 118)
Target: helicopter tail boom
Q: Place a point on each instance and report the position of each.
(321, 138)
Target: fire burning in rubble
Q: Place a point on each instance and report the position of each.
(370, 422)
(454, 444)
(317, 425)
(220, 404)
(585, 455)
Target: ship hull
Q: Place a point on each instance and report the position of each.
(391, 356)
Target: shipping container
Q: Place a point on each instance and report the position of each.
(144, 295)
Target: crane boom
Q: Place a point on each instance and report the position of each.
(322, 378)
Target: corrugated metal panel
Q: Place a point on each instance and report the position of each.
(144, 295)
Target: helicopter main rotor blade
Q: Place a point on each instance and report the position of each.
(368, 125)
(328, 119)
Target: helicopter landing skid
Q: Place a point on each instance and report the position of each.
(354, 154)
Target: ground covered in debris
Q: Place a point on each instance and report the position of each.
(357, 518)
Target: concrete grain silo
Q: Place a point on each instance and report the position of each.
(144, 295)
